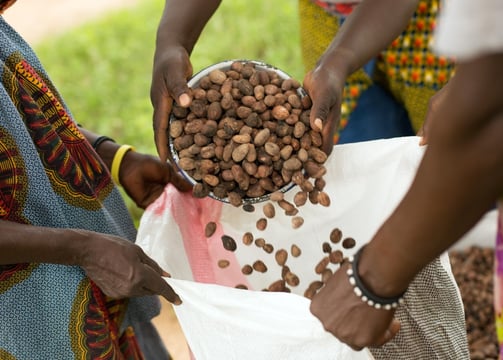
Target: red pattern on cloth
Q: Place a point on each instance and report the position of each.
(339, 8)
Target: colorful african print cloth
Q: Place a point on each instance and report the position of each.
(50, 176)
(407, 67)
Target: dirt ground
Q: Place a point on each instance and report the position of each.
(59, 16)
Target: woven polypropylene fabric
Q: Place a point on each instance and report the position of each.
(432, 324)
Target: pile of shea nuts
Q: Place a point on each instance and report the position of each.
(473, 270)
(247, 135)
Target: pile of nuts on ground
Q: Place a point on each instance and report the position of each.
(473, 271)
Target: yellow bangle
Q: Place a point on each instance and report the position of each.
(117, 160)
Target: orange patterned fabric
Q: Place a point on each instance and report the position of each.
(408, 67)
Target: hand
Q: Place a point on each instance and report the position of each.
(435, 102)
(144, 178)
(348, 318)
(325, 89)
(172, 68)
(121, 269)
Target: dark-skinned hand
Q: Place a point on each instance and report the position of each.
(325, 90)
(121, 269)
(172, 68)
(348, 318)
(144, 178)
(435, 102)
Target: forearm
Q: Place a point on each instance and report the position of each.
(459, 179)
(21, 243)
(106, 149)
(183, 21)
(370, 28)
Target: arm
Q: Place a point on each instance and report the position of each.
(181, 25)
(460, 177)
(131, 273)
(370, 28)
(458, 180)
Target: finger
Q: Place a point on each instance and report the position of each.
(172, 296)
(320, 112)
(145, 259)
(180, 182)
(423, 133)
(328, 132)
(389, 334)
(177, 86)
(157, 285)
(162, 109)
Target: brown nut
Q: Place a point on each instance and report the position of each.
(348, 243)
(247, 238)
(262, 224)
(322, 265)
(210, 229)
(295, 251)
(259, 266)
(281, 256)
(335, 235)
(223, 263)
(269, 210)
(292, 279)
(229, 243)
(247, 269)
(277, 286)
(297, 222)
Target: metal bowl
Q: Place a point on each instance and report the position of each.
(193, 83)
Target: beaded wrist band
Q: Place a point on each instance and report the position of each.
(100, 140)
(365, 294)
(117, 160)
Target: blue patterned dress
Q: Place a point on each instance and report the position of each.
(51, 176)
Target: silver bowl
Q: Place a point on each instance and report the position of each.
(192, 83)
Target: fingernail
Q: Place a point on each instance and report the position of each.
(177, 301)
(184, 100)
(318, 124)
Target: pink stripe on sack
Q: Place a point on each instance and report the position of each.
(191, 215)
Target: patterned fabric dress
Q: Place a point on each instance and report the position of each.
(50, 176)
(407, 68)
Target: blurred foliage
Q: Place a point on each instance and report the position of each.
(103, 68)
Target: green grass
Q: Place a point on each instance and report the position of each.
(103, 68)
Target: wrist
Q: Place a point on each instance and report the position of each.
(112, 155)
(117, 161)
(100, 140)
(340, 62)
(378, 274)
(370, 296)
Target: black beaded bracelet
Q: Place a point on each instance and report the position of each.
(365, 294)
(100, 140)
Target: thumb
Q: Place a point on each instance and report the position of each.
(390, 333)
(319, 113)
